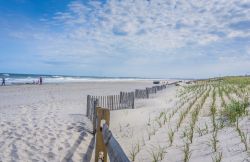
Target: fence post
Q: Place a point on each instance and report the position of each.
(101, 151)
(115, 151)
(88, 105)
(120, 97)
(147, 92)
(112, 102)
(95, 116)
(133, 100)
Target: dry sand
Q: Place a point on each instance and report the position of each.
(131, 129)
(48, 123)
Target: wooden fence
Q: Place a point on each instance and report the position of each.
(105, 141)
(144, 93)
(114, 102)
(141, 93)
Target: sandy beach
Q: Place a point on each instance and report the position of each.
(48, 123)
(124, 81)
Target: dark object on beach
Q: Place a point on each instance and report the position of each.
(3, 81)
(41, 80)
(177, 84)
(156, 82)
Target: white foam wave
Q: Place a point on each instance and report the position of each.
(60, 79)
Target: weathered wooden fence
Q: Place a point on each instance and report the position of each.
(141, 93)
(114, 102)
(144, 93)
(105, 141)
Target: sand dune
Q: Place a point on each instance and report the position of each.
(48, 123)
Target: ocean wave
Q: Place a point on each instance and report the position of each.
(34, 78)
(6, 75)
(31, 80)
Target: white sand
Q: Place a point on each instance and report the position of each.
(48, 123)
(130, 127)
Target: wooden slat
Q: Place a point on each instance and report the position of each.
(102, 114)
(115, 151)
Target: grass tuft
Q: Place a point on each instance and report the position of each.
(234, 110)
(217, 157)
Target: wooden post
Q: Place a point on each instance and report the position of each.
(133, 100)
(115, 151)
(88, 104)
(112, 102)
(118, 102)
(120, 97)
(101, 151)
(95, 115)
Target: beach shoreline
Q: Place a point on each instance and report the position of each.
(46, 122)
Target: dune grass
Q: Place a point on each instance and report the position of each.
(234, 110)
(217, 157)
(187, 152)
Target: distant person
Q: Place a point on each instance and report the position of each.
(3, 81)
(41, 80)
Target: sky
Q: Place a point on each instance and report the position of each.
(126, 38)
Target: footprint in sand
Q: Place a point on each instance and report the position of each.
(50, 134)
(45, 136)
(27, 129)
(30, 154)
(35, 160)
(66, 144)
(51, 155)
(69, 127)
(69, 133)
(1, 144)
(52, 140)
(58, 135)
(8, 123)
(13, 152)
(60, 148)
(33, 148)
(18, 135)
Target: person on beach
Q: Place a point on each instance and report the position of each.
(3, 81)
(41, 80)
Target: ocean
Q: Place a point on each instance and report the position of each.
(12, 78)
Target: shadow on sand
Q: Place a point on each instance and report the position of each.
(83, 133)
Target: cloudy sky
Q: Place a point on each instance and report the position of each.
(143, 38)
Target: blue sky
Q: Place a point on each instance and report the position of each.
(143, 38)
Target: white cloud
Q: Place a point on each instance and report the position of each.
(139, 28)
(175, 21)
